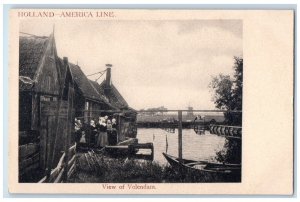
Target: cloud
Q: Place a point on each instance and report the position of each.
(155, 63)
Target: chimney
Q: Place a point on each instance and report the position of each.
(108, 74)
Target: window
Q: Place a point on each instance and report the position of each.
(48, 98)
(45, 98)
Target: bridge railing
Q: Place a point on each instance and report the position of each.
(226, 131)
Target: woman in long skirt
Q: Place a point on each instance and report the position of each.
(104, 140)
(114, 132)
(93, 133)
(102, 137)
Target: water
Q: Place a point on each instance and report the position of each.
(195, 147)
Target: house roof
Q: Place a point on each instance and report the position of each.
(114, 96)
(31, 51)
(84, 85)
(62, 67)
(98, 88)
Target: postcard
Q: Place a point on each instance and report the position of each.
(123, 101)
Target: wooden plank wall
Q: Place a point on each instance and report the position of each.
(28, 158)
(48, 130)
(35, 112)
(64, 153)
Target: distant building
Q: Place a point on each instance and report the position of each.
(190, 113)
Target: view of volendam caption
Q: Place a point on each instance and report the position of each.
(173, 115)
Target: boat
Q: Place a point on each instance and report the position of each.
(185, 165)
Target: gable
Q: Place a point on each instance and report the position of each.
(47, 74)
(38, 70)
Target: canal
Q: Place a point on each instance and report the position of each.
(196, 147)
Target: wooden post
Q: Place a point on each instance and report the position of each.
(68, 135)
(179, 135)
(119, 128)
(85, 112)
(47, 152)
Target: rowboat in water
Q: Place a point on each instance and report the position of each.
(185, 165)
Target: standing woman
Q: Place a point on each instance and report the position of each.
(93, 133)
(102, 137)
(114, 131)
(105, 137)
(98, 139)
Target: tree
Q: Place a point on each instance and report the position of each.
(222, 85)
(238, 83)
(227, 95)
(227, 92)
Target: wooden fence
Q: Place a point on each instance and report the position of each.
(64, 169)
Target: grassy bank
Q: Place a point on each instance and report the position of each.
(102, 169)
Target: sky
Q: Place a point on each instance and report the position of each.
(155, 63)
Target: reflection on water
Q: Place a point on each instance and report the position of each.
(196, 147)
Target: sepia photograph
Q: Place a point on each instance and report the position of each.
(143, 101)
(151, 106)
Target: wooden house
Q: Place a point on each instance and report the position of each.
(127, 116)
(88, 101)
(46, 118)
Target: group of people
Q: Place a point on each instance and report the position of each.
(98, 133)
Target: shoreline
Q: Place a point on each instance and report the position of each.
(97, 168)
